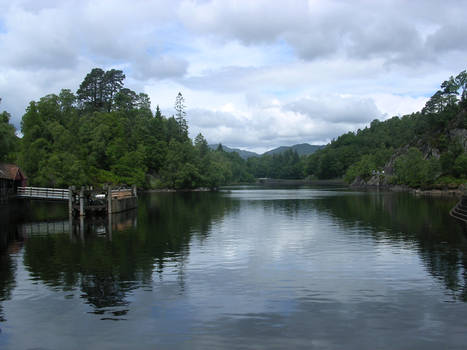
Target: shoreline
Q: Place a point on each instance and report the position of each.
(171, 190)
(453, 192)
(269, 181)
(448, 192)
(292, 182)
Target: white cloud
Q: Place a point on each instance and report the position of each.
(162, 67)
(336, 109)
(249, 21)
(268, 124)
(391, 30)
(395, 105)
(37, 45)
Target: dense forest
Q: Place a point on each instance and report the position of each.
(106, 133)
(285, 165)
(422, 149)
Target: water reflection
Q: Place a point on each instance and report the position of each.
(401, 219)
(279, 268)
(10, 243)
(419, 222)
(105, 258)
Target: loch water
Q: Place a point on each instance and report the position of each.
(243, 268)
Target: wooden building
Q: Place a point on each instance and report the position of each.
(11, 177)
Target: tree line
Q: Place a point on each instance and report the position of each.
(106, 133)
(8, 139)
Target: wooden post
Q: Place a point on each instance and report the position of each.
(109, 200)
(70, 225)
(70, 201)
(81, 202)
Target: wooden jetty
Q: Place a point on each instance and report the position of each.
(85, 200)
(460, 210)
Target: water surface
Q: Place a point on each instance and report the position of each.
(247, 268)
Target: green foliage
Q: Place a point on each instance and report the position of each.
(366, 151)
(451, 182)
(286, 165)
(460, 166)
(99, 89)
(107, 133)
(364, 168)
(201, 145)
(8, 140)
(449, 157)
(178, 155)
(368, 165)
(130, 168)
(412, 170)
(180, 116)
(59, 170)
(378, 140)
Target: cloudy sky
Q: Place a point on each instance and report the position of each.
(254, 74)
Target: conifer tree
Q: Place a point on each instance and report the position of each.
(180, 115)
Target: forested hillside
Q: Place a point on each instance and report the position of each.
(302, 149)
(242, 153)
(285, 165)
(106, 133)
(421, 149)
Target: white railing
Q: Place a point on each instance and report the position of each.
(43, 193)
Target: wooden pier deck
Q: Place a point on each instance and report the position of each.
(86, 199)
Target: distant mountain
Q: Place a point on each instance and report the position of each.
(242, 153)
(301, 149)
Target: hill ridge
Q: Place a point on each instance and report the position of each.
(300, 148)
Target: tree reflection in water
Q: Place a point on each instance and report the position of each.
(106, 259)
(422, 222)
(9, 245)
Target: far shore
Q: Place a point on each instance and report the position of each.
(268, 181)
(200, 189)
(458, 192)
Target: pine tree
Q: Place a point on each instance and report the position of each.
(180, 115)
(158, 114)
(201, 145)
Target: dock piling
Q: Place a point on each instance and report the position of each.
(81, 202)
(70, 200)
(109, 200)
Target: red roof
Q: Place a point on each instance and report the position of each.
(11, 172)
